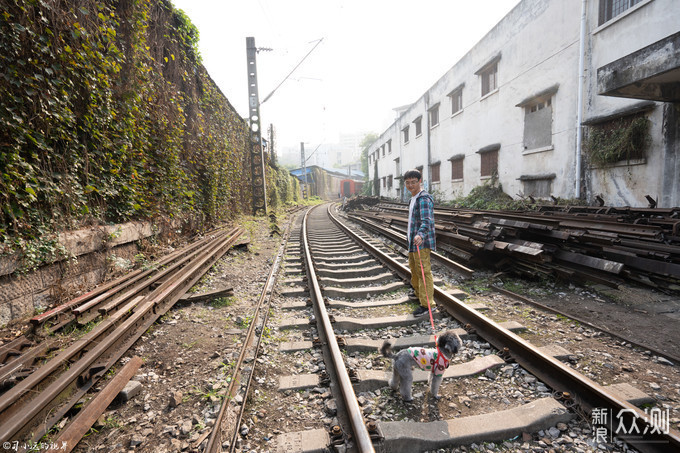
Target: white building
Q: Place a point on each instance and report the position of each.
(512, 106)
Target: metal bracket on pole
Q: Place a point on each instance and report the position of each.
(256, 154)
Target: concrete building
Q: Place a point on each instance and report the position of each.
(564, 98)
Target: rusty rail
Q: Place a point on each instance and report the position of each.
(34, 405)
(560, 377)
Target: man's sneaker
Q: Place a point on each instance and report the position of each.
(420, 311)
(412, 295)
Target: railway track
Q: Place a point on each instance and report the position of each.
(308, 362)
(51, 385)
(354, 296)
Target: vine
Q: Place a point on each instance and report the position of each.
(622, 139)
(108, 115)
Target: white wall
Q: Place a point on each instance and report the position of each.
(538, 43)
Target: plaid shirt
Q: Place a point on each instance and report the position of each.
(422, 222)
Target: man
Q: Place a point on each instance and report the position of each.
(420, 235)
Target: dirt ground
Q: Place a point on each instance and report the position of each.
(190, 353)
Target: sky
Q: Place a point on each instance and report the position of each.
(374, 56)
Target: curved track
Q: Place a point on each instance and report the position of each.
(348, 272)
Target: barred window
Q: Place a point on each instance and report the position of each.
(456, 100)
(419, 125)
(609, 9)
(434, 115)
(489, 79)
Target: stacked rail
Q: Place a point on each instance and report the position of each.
(603, 245)
(570, 386)
(32, 405)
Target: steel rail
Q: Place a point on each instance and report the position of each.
(68, 355)
(401, 240)
(360, 432)
(584, 322)
(558, 376)
(40, 410)
(214, 444)
(106, 290)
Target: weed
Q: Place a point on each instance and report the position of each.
(222, 302)
(112, 422)
(207, 394)
(190, 345)
(244, 323)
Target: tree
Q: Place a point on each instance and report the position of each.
(365, 144)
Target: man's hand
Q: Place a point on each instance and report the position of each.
(418, 240)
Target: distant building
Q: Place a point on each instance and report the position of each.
(517, 108)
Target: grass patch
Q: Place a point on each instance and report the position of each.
(221, 302)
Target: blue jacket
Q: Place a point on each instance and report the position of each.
(422, 222)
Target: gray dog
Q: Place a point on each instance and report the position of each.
(426, 358)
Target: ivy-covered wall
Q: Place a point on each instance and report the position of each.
(108, 115)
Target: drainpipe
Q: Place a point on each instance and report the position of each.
(579, 107)
(427, 142)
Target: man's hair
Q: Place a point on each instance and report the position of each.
(413, 174)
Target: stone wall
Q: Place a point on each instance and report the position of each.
(95, 253)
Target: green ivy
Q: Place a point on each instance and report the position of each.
(623, 139)
(108, 115)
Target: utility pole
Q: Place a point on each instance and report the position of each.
(303, 164)
(259, 183)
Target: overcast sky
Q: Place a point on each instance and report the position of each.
(375, 55)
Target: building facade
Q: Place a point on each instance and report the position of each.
(571, 99)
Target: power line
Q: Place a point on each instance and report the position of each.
(291, 72)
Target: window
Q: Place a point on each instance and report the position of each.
(457, 167)
(383, 150)
(389, 182)
(456, 100)
(609, 9)
(389, 146)
(538, 124)
(537, 186)
(396, 162)
(383, 181)
(489, 79)
(434, 172)
(419, 126)
(405, 132)
(434, 115)
(623, 138)
(489, 160)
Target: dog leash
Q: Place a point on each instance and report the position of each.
(429, 309)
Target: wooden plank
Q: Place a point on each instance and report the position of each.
(82, 422)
